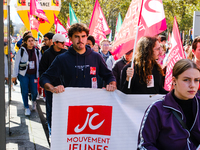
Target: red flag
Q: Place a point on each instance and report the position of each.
(34, 23)
(59, 28)
(36, 9)
(176, 53)
(152, 22)
(68, 23)
(98, 25)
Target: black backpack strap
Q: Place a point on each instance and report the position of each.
(22, 52)
(192, 138)
(180, 120)
(38, 53)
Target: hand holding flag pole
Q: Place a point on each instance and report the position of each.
(129, 82)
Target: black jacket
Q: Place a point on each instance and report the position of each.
(117, 68)
(46, 60)
(77, 70)
(140, 87)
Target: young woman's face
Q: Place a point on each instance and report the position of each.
(156, 50)
(30, 43)
(187, 84)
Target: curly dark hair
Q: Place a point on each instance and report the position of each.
(77, 27)
(144, 60)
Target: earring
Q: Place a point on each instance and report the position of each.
(175, 84)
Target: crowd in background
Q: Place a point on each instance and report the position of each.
(30, 61)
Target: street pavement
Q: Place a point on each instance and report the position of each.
(26, 133)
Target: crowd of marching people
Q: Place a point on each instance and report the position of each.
(52, 67)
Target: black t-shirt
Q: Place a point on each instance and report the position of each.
(186, 106)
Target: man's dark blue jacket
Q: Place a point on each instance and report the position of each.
(77, 70)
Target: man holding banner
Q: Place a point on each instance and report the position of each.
(79, 66)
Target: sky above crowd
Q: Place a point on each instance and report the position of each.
(13, 12)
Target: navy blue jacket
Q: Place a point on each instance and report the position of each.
(77, 70)
(46, 60)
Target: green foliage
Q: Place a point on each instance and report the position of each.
(183, 10)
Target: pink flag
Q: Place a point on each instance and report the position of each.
(34, 23)
(68, 23)
(59, 28)
(36, 9)
(176, 53)
(98, 25)
(152, 22)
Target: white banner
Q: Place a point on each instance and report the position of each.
(94, 119)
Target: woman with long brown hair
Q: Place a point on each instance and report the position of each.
(147, 74)
(26, 69)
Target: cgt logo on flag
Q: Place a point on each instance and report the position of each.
(89, 120)
(21, 2)
(93, 70)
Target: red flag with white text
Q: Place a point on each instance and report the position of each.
(98, 25)
(59, 28)
(176, 53)
(152, 22)
(34, 23)
(36, 9)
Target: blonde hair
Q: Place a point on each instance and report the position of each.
(104, 40)
(190, 54)
(163, 46)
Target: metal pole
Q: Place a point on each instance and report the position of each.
(9, 63)
(2, 86)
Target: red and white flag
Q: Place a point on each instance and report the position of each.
(59, 28)
(36, 9)
(152, 22)
(176, 53)
(98, 25)
(34, 23)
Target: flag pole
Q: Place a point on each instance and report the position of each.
(129, 82)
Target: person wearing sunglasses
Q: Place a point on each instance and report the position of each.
(47, 58)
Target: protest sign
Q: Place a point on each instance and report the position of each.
(95, 119)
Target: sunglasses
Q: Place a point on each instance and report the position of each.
(60, 42)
